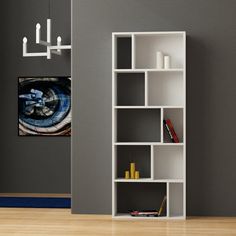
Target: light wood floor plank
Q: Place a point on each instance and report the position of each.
(45, 222)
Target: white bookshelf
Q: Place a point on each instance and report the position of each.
(142, 97)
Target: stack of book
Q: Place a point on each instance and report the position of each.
(170, 129)
(150, 213)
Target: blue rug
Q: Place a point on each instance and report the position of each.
(35, 202)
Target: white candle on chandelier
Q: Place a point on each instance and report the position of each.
(38, 33)
(24, 45)
(59, 43)
(49, 30)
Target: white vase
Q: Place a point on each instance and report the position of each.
(166, 62)
(159, 60)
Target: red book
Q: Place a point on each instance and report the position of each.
(171, 128)
(168, 130)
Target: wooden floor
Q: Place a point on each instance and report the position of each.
(60, 222)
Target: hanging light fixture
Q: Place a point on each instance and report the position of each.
(48, 44)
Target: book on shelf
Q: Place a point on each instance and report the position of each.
(150, 213)
(162, 206)
(170, 129)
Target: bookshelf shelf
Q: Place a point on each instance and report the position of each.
(176, 205)
(131, 128)
(176, 115)
(146, 107)
(170, 144)
(144, 96)
(130, 89)
(168, 162)
(139, 195)
(148, 70)
(139, 143)
(141, 180)
(165, 89)
(148, 143)
(147, 45)
(141, 155)
(127, 216)
(149, 180)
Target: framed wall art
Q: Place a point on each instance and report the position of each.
(44, 106)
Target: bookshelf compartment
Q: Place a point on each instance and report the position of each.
(140, 155)
(124, 52)
(165, 89)
(138, 125)
(176, 117)
(176, 200)
(168, 162)
(140, 196)
(130, 89)
(146, 47)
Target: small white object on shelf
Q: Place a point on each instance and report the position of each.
(159, 60)
(166, 62)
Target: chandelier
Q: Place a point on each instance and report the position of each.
(50, 49)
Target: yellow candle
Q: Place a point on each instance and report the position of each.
(136, 175)
(126, 174)
(132, 170)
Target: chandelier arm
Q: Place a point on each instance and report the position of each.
(32, 54)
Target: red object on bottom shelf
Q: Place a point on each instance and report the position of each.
(144, 213)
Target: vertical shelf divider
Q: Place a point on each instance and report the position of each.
(168, 199)
(146, 89)
(184, 126)
(152, 162)
(113, 124)
(133, 51)
(162, 130)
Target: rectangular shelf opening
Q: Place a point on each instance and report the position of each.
(169, 44)
(140, 155)
(165, 89)
(176, 201)
(124, 52)
(176, 117)
(130, 89)
(140, 197)
(138, 125)
(168, 162)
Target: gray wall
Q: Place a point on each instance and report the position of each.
(211, 53)
(31, 164)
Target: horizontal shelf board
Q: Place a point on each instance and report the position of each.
(127, 216)
(149, 143)
(137, 143)
(148, 180)
(140, 218)
(149, 33)
(133, 180)
(164, 70)
(169, 144)
(148, 70)
(147, 107)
